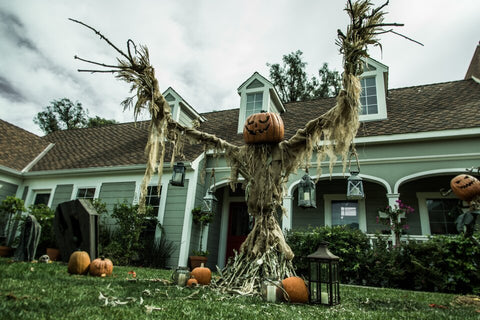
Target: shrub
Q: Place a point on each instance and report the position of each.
(44, 216)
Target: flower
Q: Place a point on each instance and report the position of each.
(396, 218)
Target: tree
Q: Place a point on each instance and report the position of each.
(292, 83)
(60, 115)
(264, 167)
(98, 122)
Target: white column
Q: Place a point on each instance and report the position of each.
(222, 245)
(392, 202)
(287, 217)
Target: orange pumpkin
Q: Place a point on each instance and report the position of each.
(465, 187)
(101, 267)
(265, 127)
(79, 262)
(296, 289)
(192, 282)
(202, 274)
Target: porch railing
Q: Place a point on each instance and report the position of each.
(404, 238)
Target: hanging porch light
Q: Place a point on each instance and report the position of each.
(209, 204)
(354, 182)
(306, 192)
(178, 176)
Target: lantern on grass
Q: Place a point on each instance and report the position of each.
(209, 204)
(306, 192)
(323, 280)
(178, 176)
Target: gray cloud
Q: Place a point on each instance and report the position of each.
(9, 91)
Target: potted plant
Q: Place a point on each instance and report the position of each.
(11, 210)
(200, 256)
(44, 216)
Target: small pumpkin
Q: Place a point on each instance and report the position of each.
(465, 186)
(265, 127)
(79, 262)
(192, 282)
(101, 267)
(202, 274)
(296, 289)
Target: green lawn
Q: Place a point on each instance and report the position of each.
(47, 291)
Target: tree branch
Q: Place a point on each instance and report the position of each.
(97, 63)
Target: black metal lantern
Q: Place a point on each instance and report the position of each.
(323, 280)
(355, 186)
(306, 192)
(209, 204)
(178, 176)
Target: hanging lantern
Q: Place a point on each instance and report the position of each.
(355, 187)
(323, 279)
(178, 176)
(209, 204)
(306, 192)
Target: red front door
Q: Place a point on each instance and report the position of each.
(239, 225)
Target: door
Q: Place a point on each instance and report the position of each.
(239, 225)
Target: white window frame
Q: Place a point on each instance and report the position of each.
(35, 192)
(76, 188)
(362, 213)
(378, 73)
(422, 198)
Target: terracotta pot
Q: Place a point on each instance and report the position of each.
(6, 251)
(53, 253)
(196, 261)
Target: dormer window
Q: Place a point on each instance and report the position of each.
(254, 103)
(257, 94)
(374, 88)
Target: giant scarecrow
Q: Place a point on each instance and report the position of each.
(267, 160)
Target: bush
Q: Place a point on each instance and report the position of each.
(443, 264)
(44, 216)
(347, 243)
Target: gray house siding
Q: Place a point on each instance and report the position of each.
(116, 192)
(63, 193)
(173, 218)
(7, 189)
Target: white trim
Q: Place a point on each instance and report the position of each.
(163, 200)
(222, 245)
(38, 157)
(32, 193)
(477, 80)
(453, 133)
(423, 174)
(10, 171)
(362, 214)
(192, 177)
(423, 210)
(287, 216)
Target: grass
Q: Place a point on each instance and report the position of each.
(47, 291)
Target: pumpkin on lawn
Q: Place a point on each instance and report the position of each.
(265, 127)
(202, 274)
(79, 262)
(465, 187)
(192, 282)
(101, 267)
(296, 289)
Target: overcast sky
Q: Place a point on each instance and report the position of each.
(206, 49)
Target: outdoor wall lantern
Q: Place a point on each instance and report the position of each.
(178, 176)
(209, 204)
(306, 192)
(323, 279)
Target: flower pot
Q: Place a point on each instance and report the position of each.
(6, 251)
(53, 253)
(196, 261)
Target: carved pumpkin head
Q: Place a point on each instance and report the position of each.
(465, 187)
(265, 127)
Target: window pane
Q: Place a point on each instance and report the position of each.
(345, 213)
(86, 193)
(372, 91)
(41, 198)
(439, 214)
(370, 81)
(153, 199)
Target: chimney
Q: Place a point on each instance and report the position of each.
(474, 68)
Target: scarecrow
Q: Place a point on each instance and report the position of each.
(267, 160)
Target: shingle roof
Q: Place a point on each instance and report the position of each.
(18, 147)
(441, 106)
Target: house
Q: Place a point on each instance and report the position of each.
(412, 141)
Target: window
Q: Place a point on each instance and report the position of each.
(41, 198)
(86, 193)
(368, 97)
(152, 198)
(441, 221)
(254, 103)
(345, 213)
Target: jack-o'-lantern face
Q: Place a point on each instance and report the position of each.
(465, 187)
(266, 127)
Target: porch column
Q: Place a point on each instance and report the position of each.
(287, 218)
(392, 201)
